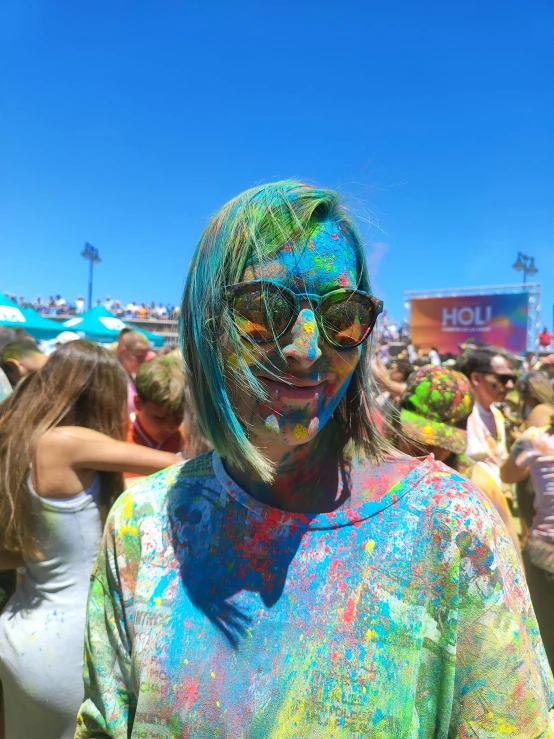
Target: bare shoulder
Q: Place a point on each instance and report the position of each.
(67, 443)
(62, 434)
(66, 437)
(541, 415)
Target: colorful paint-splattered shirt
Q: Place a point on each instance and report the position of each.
(402, 614)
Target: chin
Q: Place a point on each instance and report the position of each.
(290, 431)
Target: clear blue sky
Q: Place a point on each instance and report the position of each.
(127, 124)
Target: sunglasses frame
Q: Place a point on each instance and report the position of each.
(314, 300)
(503, 378)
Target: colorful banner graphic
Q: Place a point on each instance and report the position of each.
(445, 323)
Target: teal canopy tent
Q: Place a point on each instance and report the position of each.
(13, 315)
(103, 327)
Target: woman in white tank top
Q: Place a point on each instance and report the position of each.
(62, 456)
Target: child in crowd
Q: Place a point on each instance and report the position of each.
(159, 406)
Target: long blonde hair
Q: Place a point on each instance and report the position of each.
(81, 383)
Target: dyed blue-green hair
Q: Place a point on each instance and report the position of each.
(254, 225)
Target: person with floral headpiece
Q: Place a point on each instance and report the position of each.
(302, 579)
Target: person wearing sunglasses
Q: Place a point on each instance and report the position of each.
(303, 579)
(491, 377)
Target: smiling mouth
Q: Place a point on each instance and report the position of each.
(294, 387)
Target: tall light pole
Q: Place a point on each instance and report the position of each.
(526, 265)
(90, 253)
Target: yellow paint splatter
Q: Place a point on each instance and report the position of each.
(369, 635)
(212, 674)
(301, 637)
(158, 601)
(186, 661)
(217, 703)
(370, 546)
(128, 507)
(125, 530)
(301, 432)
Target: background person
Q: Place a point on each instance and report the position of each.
(547, 367)
(132, 350)
(296, 583)
(537, 400)
(434, 357)
(434, 410)
(533, 455)
(491, 377)
(400, 370)
(19, 358)
(62, 456)
(159, 406)
(545, 339)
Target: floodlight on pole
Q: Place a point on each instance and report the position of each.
(526, 265)
(90, 253)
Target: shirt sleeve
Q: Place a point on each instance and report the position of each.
(109, 702)
(503, 684)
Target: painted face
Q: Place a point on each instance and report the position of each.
(312, 375)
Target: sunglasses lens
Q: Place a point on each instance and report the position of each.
(261, 311)
(347, 317)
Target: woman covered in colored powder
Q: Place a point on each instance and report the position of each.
(302, 580)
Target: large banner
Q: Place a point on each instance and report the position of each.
(445, 323)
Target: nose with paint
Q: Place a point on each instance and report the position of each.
(304, 345)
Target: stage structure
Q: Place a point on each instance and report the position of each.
(502, 315)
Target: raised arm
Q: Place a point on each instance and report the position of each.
(83, 448)
(510, 472)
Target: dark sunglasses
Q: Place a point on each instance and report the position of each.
(264, 311)
(504, 379)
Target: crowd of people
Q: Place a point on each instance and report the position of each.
(59, 306)
(292, 527)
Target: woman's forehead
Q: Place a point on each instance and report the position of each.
(325, 260)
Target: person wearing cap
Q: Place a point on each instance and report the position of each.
(434, 411)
